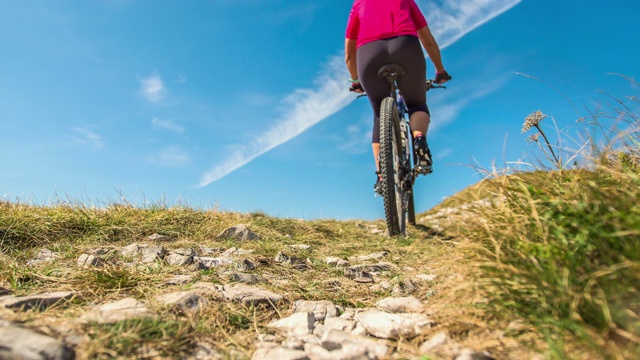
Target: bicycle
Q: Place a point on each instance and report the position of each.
(397, 171)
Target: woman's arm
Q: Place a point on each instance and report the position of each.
(431, 46)
(350, 51)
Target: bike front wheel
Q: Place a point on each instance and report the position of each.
(391, 167)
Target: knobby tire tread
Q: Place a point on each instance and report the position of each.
(388, 118)
(411, 210)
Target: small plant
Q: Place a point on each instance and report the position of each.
(533, 120)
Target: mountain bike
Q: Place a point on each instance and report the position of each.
(397, 171)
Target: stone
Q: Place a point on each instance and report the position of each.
(204, 351)
(344, 342)
(298, 324)
(435, 341)
(278, 353)
(44, 256)
(293, 261)
(179, 280)
(130, 250)
(184, 252)
(234, 251)
(393, 326)
(210, 263)
(178, 260)
(468, 354)
(183, 300)
(247, 278)
(238, 232)
(124, 309)
(425, 277)
(37, 302)
(246, 265)
(249, 294)
(4, 291)
(160, 238)
(321, 309)
(374, 256)
(152, 253)
(401, 305)
(87, 261)
(19, 343)
(404, 288)
(339, 324)
(356, 271)
(384, 285)
(206, 288)
(364, 279)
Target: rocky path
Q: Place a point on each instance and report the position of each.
(318, 329)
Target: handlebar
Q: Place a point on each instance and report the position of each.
(431, 84)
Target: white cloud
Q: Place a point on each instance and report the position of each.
(88, 137)
(307, 107)
(153, 88)
(166, 125)
(451, 20)
(449, 23)
(172, 156)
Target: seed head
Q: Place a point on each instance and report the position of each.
(533, 138)
(532, 120)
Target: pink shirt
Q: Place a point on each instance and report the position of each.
(372, 20)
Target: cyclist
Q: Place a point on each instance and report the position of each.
(382, 32)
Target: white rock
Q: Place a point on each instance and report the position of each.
(183, 300)
(321, 309)
(435, 341)
(401, 305)
(238, 232)
(178, 259)
(425, 277)
(209, 262)
(179, 280)
(339, 340)
(44, 256)
(278, 353)
(87, 261)
(249, 294)
(339, 324)
(19, 343)
(393, 326)
(234, 251)
(300, 247)
(39, 302)
(130, 250)
(158, 237)
(468, 354)
(124, 309)
(298, 324)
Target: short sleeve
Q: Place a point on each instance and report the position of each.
(353, 25)
(416, 15)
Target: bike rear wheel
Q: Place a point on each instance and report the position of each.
(391, 167)
(411, 211)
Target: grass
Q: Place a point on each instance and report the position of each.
(560, 249)
(545, 261)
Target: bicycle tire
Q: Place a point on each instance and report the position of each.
(390, 150)
(411, 210)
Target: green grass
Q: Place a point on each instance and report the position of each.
(561, 250)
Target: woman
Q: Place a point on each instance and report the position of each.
(381, 32)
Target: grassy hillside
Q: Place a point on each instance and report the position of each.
(545, 262)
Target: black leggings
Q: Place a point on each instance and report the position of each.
(404, 51)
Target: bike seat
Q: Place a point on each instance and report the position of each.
(391, 69)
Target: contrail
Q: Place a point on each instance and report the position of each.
(453, 20)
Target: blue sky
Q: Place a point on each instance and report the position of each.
(243, 105)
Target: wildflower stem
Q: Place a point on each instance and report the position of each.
(548, 145)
